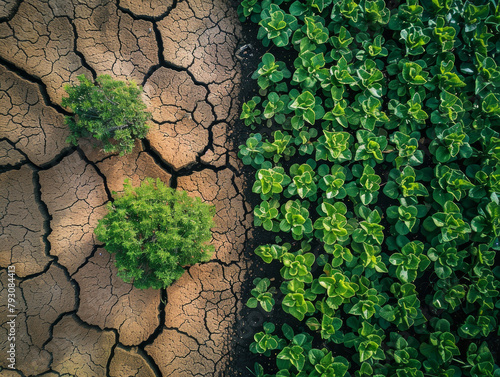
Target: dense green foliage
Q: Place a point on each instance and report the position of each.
(379, 173)
(110, 110)
(154, 231)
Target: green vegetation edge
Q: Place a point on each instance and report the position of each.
(377, 163)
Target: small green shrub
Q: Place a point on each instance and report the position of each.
(110, 110)
(154, 231)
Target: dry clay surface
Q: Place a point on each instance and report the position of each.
(74, 316)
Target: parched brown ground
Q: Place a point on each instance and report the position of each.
(74, 316)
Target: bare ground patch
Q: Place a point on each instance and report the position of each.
(75, 316)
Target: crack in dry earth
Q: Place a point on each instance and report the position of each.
(75, 316)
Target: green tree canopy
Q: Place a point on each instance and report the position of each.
(110, 110)
(154, 231)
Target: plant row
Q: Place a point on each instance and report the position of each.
(376, 150)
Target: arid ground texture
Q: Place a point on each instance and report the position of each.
(75, 317)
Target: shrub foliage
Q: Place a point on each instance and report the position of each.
(154, 232)
(379, 171)
(110, 110)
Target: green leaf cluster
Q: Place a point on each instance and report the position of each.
(155, 231)
(110, 111)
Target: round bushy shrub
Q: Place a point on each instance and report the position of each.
(155, 231)
(110, 110)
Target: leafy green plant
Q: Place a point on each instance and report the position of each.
(338, 287)
(303, 181)
(297, 267)
(449, 143)
(408, 152)
(482, 257)
(347, 9)
(296, 219)
(333, 146)
(295, 353)
(328, 327)
(248, 7)
(316, 31)
(445, 35)
(270, 182)
(340, 254)
(451, 109)
(405, 354)
(258, 371)
(371, 48)
(409, 116)
(340, 43)
(442, 344)
(406, 217)
(406, 312)
(333, 184)
(270, 72)
(326, 365)
(480, 361)
(376, 14)
(370, 79)
(447, 78)
(367, 112)
(303, 140)
(489, 73)
(274, 106)
(369, 261)
(333, 227)
(297, 300)
(340, 76)
(404, 183)
(449, 294)
(447, 258)
(268, 253)
(408, 13)
(370, 147)
(302, 8)
(307, 108)
(410, 261)
(486, 224)
(154, 232)
(262, 295)
(266, 214)
(276, 26)
(482, 326)
(368, 342)
(483, 289)
(109, 110)
(280, 146)
(486, 181)
(451, 224)
(412, 73)
(450, 184)
(369, 185)
(310, 69)
(369, 231)
(338, 114)
(414, 40)
(250, 114)
(252, 152)
(367, 301)
(265, 342)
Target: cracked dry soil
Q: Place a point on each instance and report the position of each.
(75, 317)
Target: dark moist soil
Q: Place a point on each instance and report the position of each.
(250, 321)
